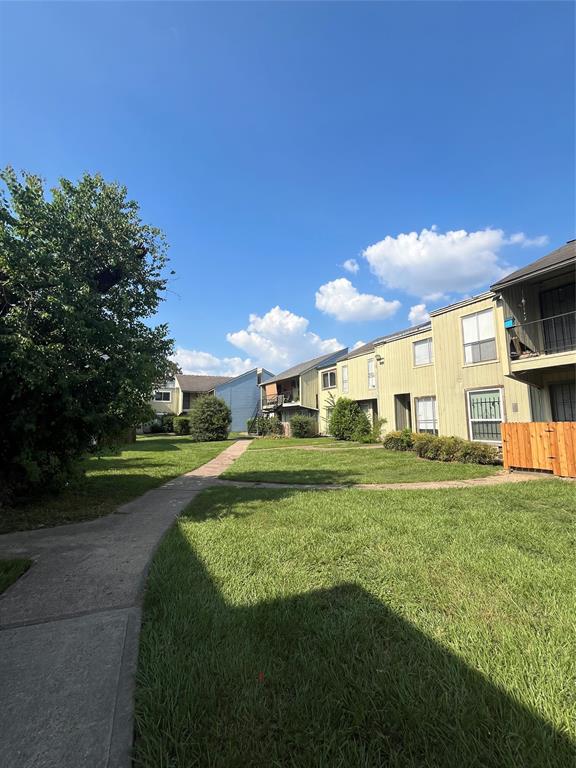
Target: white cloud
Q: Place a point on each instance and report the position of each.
(432, 264)
(527, 242)
(193, 361)
(279, 339)
(351, 265)
(418, 314)
(358, 344)
(342, 300)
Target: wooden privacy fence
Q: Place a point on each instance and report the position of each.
(549, 445)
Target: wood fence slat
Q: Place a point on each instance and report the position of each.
(544, 445)
(553, 443)
(562, 459)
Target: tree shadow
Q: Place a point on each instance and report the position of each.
(331, 678)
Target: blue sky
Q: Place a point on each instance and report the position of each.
(273, 142)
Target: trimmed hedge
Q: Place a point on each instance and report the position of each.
(442, 448)
(399, 441)
(303, 426)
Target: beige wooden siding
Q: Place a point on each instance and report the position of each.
(454, 377)
(398, 375)
(309, 389)
(358, 378)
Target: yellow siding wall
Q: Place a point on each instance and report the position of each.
(325, 399)
(358, 377)
(398, 375)
(454, 377)
(309, 389)
(174, 406)
(357, 385)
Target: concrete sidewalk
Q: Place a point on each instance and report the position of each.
(69, 629)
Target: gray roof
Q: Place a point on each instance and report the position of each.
(298, 370)
(246, 373)
(369, 347)
(197, 383)
(562, 256)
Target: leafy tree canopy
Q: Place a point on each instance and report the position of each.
(79, 275)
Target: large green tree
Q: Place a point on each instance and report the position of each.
(79, 274)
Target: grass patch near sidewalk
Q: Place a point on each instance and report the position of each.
(113, 479)
(262, 443)
(362, 628)
(362, 465)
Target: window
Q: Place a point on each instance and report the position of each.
(329, 412)
(485, 414)
(422, 352)
(328, 379)
(162, 396)
(426, 416)
(345, 384)
(371, 374)
(479, 337)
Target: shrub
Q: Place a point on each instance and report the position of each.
(454, 449)
(156, 428)
(423, 443)
(210, 419)
(303, 426)
(167, 421)
(399, 441)
(265, 425)
(478, 453)
(348, 420)
(181, 425)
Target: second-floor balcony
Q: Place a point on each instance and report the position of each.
(272, 402)
(541, 339)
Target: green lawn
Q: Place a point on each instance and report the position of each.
(404, 629)
(113, 479)
(11, 570)
(261, 443)
(357, 465)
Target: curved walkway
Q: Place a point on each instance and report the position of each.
(69, 629)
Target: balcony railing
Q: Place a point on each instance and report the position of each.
(270, 402)
(547, 336)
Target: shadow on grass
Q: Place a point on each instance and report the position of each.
(332, 678)
(295, 477)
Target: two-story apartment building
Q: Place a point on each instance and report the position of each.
(242, 395)
(177, 394)
(473, 394)
(296, 390)
(506, 355)
(539, 327)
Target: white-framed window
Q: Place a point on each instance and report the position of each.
(422, 352)
(485, 414)
(328, 379)
(345, 380)
(479, 337)
(328, 416)
(371, 373)
(162, 396)
(426, 415)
